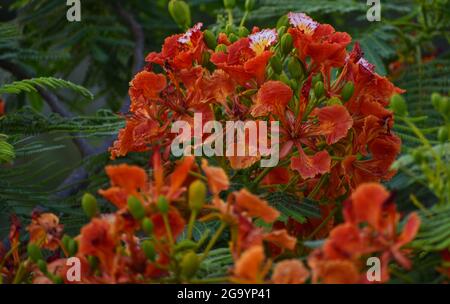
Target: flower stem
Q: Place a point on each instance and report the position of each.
(213, 240)
(191, 224)
(168, 229)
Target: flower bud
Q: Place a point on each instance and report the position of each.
(281, 31)
(197, 195)
(283, 21)
(286, 43)
(42, 265)
(285, 79)
(189, 264)
(243, 31)
(295, 68)
(443, 134)
(149, 250)
(180, 12)
(210, 39)
(65, 241)
(34, 252)
(229, 4)
(347, 91)
(136, 208)
(249, 5)
(319, 89)
(221, 48)
(147, 226)
(233, 37)
(185, 245)
(89, 204)
(398, 105)
(334, 101)
(162, 204)
(436, 100)
(276, 64)
(72, 247)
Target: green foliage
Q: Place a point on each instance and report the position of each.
(32, 85)
(291, 207)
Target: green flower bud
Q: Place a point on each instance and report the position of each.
(281, 31)
(185, 245)
(210, 39)
(65, 241)
(286, 43)
(229, 4)
(443, 134)
(149, 250)
(249, 5)
(89, 204)
(93, 261)
(276, 64)
(243, 31)
(444, 106)
(295, 68)
(285, 79)
(180, 12)
(162, 204)
(436, 100)
(347, 91)
(334, 101)
(34, 252)
(136, 208)
(189, 264)
(233, 37)
(398, 105)
(319, 89)
(294, 84)
(229, 28)
(197, 195)
(147, 226)
(206, 56)
(42, 265)
(221, 48)
(72, 247)
(57, 280)
(283, 21)
(316, 78)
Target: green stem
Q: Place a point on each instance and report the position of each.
(191, 224)
(168, 229)
(230, 16)
(244, 18)
(213, 240)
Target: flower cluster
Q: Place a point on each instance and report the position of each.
(330, 103)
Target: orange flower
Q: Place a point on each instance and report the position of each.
(273, 96)
(125, 180)
(290, 272)
(178, 177)
(250, 267)
(334, 123)
(180, 51)
(176, 223)
(45, 230)
(281, 238)
(145, 87)
(255, 207)
(310, 166)
(247, 58)
(333, 271)
(97, 239)
(217, 178)
(325, 46)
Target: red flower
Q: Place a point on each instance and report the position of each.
(334, 123)
(310, 166)
(247, 58)
(182, 50)
(272, 97)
